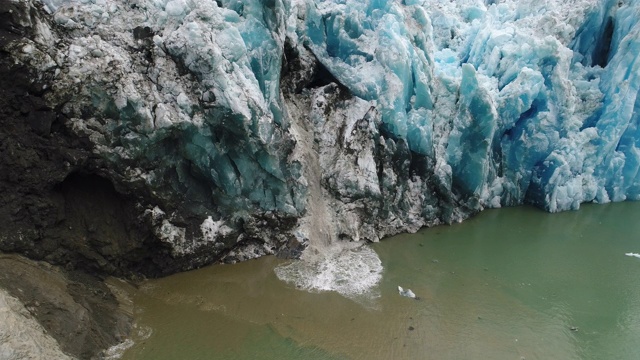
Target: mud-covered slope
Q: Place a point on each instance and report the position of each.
(79, 315)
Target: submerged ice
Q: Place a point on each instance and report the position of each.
(259, 127)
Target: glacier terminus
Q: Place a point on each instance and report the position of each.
(245, 128)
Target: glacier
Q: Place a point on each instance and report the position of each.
(245, 128)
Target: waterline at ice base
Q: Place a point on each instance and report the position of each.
(227, 130)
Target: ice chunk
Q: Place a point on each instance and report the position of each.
(408, 293)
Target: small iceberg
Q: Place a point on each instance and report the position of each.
(408, 293)
(633, 254)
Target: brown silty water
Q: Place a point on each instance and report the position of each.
(508, 284)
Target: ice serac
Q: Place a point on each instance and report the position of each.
(244, 128)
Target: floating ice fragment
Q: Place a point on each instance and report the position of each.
(408, 293)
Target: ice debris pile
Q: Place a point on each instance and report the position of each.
(249, 127)
(352, 271)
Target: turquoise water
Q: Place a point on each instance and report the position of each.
(508, 284)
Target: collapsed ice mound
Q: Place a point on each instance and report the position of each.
(351, 271)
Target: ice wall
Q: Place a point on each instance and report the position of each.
(523, 101)
(183, 99)
(269, 119)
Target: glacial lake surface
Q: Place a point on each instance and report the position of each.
(513, 283)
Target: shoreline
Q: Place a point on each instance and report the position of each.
(82, 314)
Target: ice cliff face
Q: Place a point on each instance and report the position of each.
(244, 128)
